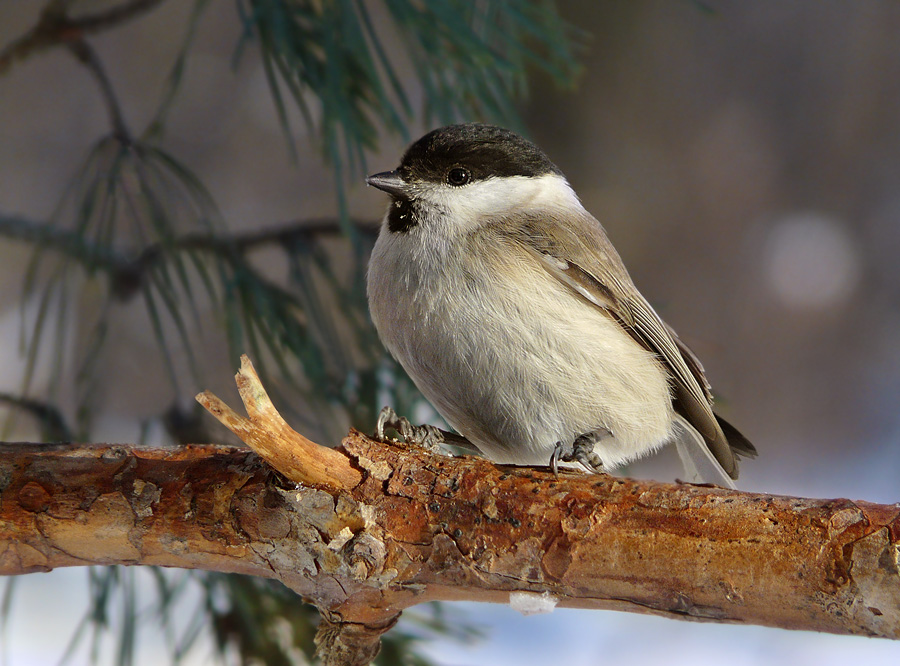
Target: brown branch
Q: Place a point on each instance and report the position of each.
(371, 528)
(55, 28)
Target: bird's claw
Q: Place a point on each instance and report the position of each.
(580, 451)
(428, 436)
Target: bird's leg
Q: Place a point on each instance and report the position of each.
(581, 451)
(429, 436)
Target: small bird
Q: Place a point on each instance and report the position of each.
(507, 305)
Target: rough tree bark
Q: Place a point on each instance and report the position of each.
(368, 529)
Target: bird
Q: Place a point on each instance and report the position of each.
(505, 302)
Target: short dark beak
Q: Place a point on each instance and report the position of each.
(390, 182)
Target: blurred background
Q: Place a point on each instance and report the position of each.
(743, 157)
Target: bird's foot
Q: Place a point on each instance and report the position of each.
(580, 451)
(428, 436)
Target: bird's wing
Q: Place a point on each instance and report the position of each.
(583, 259)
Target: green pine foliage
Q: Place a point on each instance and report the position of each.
(136, 225)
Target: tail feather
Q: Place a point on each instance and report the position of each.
(700, 465)
(738, 443)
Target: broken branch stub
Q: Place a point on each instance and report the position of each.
(266, 432)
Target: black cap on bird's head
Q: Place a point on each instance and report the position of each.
(459, 154)
(487, 150)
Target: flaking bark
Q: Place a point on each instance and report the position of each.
(376, 528)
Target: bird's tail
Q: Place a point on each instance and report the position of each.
(700, 466)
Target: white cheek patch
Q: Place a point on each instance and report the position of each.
(468, 204)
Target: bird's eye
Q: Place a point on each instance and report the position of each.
(458, 176)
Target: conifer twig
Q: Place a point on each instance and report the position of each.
(87, 56)
(55, 28)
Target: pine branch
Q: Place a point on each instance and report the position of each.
(56, 28)
(16, 227)
(51, 236)
(86, 55)
(114, 16)
(52, 422)
(129, 270)
(369, 529)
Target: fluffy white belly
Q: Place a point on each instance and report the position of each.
(516, 370)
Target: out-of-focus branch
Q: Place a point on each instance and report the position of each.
(55, 28)
(285, 235)
(52, 422)
(370, 528)
(88, 57)
(113, 16)
(130, 270)
(51, 236)
(81, 249)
